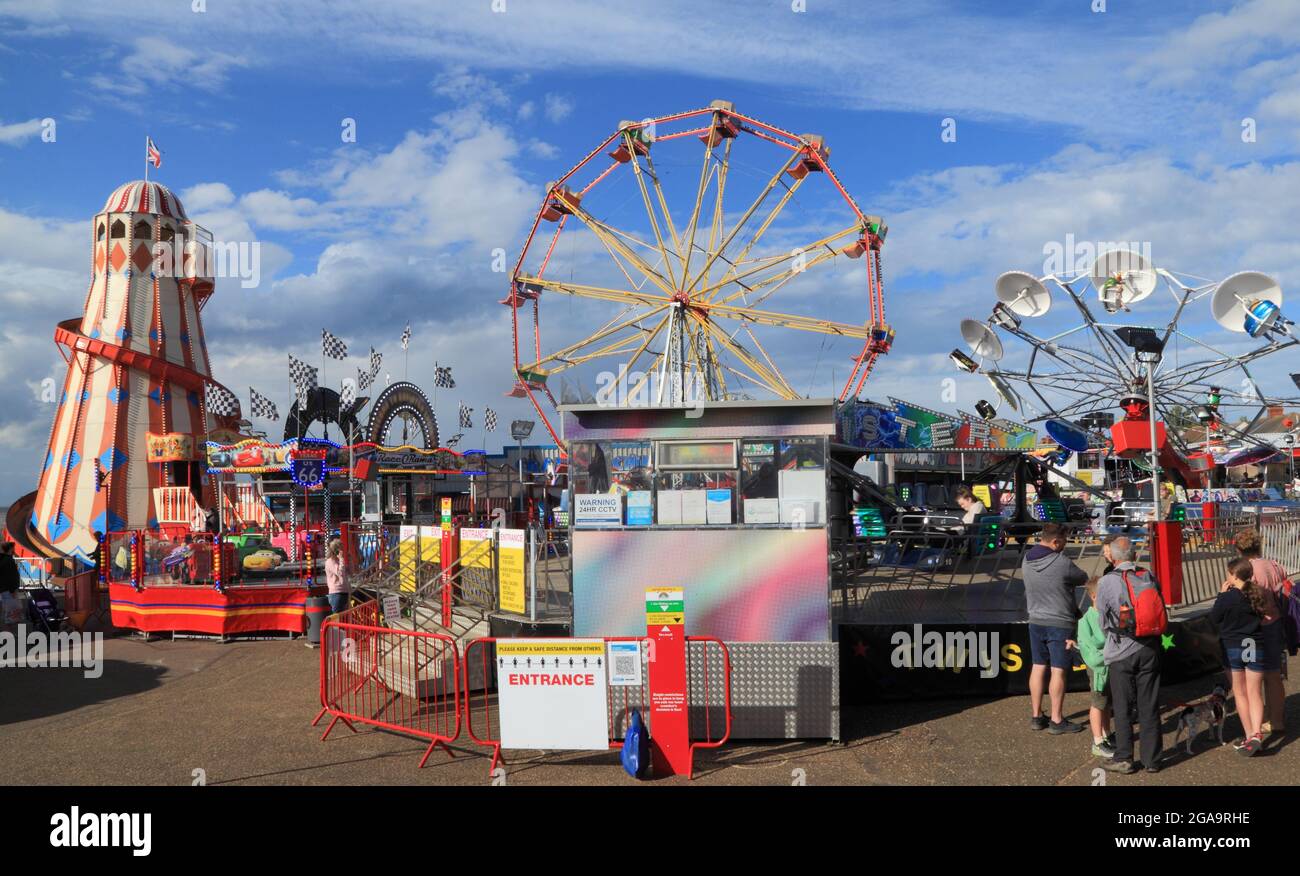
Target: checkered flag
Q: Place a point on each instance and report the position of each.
(490, 420)
(465, 417)
(332, 346)
(261, 406)
(304, 379)
(364, 379)
(376, 359)
(442, 378)
(221, 402)
(454, 440)
(347, 394)
(406, 336)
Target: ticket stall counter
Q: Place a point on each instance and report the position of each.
(727, 500)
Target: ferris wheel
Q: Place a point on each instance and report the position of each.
(1069, 348)
(702, 269)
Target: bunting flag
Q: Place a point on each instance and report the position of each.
(221, 402)
(347, 395)
(261, 406)
(304, 379)
(332, 346)
(465, 419)
(442, 378)
(490, 420)
(406, 336)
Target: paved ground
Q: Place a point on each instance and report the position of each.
(241, 713)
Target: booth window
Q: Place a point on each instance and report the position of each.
(602, 466)
(117, 230)
(695, 455)
(758, 468)
(142, 231)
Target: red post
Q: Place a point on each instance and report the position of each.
(670, 739)
(1167, 559)
(450, 558)
(1209, 519)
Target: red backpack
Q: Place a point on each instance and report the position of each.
(1145, 614)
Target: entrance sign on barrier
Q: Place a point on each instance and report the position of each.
(510, 569)
(552, 693)
(670, 739)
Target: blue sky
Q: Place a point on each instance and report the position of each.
(1122, 124)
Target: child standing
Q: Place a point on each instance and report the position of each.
(1239, 613)
(1091, 641)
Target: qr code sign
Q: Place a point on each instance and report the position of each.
(624, 664)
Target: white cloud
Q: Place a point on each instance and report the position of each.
(557, 107)
(19, 132)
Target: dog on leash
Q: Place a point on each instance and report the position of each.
(1209, 713)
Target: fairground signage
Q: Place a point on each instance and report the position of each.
(904, 426)
(413, 460)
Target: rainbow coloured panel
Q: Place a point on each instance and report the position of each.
(742, 585)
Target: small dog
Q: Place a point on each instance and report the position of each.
(1210, 712)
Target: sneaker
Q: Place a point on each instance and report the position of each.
(1038, 722)
(1123, 767)
(311, 644)
(1251, 747)
(1064, 726)
(1110, 739)
(1103, 749)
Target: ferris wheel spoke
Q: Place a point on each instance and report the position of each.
(823, 247)
(777, 280)
(729, 276)
(607, 234)
(773, 380)
(758, 202)
(600, 293)
(719, 189)
(649, 207)
(689, 235)
(767, 317)
(663, 203)
(570, 353)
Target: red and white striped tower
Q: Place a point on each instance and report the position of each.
(137, 366)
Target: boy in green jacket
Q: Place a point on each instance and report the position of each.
(1091, 641)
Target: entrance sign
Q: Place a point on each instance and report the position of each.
(510, 570)
(552, 694)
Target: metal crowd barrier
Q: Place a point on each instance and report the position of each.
(938, 575)
(1208, 546)
(400, 680)
(708, 693)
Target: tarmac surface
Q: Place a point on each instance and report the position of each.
(197, 711)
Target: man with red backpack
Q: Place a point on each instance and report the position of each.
(1133, 617)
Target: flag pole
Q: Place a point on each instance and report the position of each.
(146, 157)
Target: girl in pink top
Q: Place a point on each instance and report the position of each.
(1271, 577)
(336, 577)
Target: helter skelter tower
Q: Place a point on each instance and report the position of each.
(133, 414)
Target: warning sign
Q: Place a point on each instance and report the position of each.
(552, 693)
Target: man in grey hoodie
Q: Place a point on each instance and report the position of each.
(1050, 582)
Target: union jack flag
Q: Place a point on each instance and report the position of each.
(151, 152)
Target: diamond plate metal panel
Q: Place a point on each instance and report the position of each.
(779, 690)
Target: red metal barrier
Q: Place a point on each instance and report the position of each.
(400, 680)
(622, 699)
